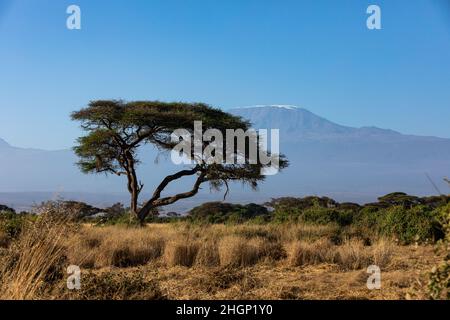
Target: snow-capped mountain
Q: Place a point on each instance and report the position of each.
(291, 120)
(361, 162)
(298, 123)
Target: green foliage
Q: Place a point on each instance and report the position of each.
(439, 278)
(302, 203)
(117, 214)
(319, 215)
(399, 199)
(125, 218)
(263, 219)
(117, 127)
(4, 208)
(368, 216)
(12, 223)
(222, 212)
(416, 224)
(407, 218)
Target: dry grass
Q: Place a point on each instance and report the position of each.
(115, 285)
(303, 253)
(382, 253)
(4, 240)
(239, 252)
(354, 255)
(208, 254)
(183, 261)
(36, 258)
(181, 252)
(351, 255)
(114, 246)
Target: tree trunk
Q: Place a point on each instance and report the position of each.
(145, 211)
(134, 194)
(133, 186)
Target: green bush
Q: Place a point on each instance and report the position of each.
(125, 219)
(319, 215)
(11, 223)
(439, 278)
(417, 224)
(368, 217)
(263, 219)
(409, 219)
(222, 212)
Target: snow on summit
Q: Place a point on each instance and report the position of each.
(282, 106)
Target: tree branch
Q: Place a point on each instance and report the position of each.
(171, 178)
(169, 200)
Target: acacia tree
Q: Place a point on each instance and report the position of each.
(117, 129)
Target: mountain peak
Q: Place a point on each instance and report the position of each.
(291, 120)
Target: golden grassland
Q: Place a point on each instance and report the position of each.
(186, 261)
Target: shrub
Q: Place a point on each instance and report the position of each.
(368, 216)
(319, 215)
(222, 212)
(416, 224)
(118, 215)
(4, 209)
(439, 277)
(11, 224)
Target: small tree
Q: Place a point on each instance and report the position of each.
(116, 130)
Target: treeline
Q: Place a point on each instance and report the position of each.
(405, 217)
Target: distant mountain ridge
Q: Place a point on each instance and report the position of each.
(302, 123)
(3, 143)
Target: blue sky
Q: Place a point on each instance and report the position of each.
(315, 54)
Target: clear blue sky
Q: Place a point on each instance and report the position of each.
(314, 54)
